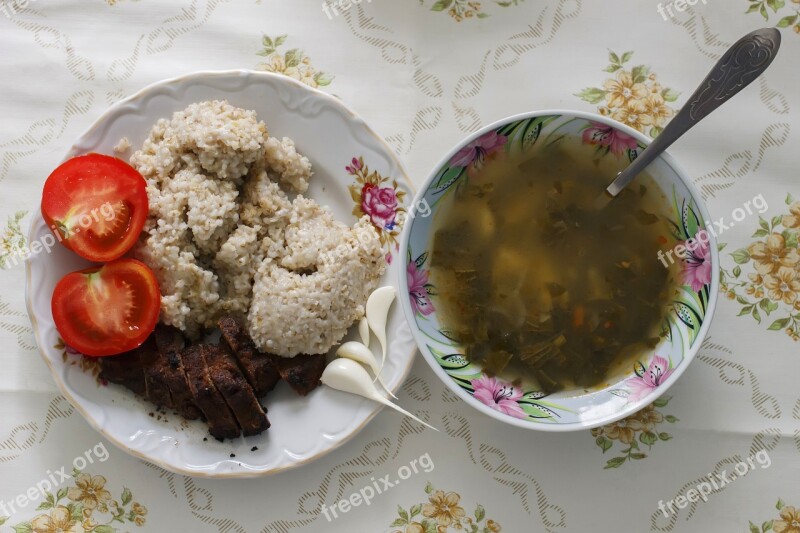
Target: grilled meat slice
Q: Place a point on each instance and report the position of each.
(238, 393)
(303, 372)
(222, 424)
(128, 369)
(259, 369)
(169, 371)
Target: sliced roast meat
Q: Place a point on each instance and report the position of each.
(128, 369)
(219, 383)
(259, 369)
(233, 386)
(169, 371)
(221, 421)
(303, 372)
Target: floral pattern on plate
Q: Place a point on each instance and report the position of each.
(765, 279)
(71, 356)
(86, 506)
(381, 199)
(443, 512)
(522, 401)
(310, 428)
(634, 96)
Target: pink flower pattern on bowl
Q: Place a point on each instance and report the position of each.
(503, 397)
(696, 269)
(419, 288)
(475, 153)
(608, 138)
(641, 385)
(524, 404)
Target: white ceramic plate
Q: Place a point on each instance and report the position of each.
(303, 429)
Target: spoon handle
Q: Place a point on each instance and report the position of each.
(739, 67)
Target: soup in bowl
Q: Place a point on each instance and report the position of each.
(540, 305)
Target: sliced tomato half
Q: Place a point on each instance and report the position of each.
(107, 310)
(96, 205)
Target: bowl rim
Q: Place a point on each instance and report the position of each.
(629, 408)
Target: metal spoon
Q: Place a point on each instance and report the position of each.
(739, 67)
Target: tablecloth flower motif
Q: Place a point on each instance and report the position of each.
(443, 512)
(634, 96)
(641, 427)
(467, 9)
(86, 506)
(791, 20)
(772, 256)
(380, 198)
(788, 520)
(792, 220)
(765, 280)
(89, 490)
(58, 520)
(12, 240)
(293, 63)
(444, 508)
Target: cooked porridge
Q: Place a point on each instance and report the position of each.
(224, 237)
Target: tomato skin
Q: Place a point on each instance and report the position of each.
(107, 310)
(96, 205)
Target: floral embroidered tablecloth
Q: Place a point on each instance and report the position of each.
(720, 452)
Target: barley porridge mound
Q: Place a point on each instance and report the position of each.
(224, 237)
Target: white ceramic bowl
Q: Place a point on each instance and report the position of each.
(303, 429)
(524, 406)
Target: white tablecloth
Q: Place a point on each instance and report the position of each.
(424, 73)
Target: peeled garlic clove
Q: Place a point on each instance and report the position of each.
(378, 306)
(347, 375)
(356, 351)
(359, 353)
(363, 331)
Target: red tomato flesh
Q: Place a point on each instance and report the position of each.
(107, 310)
(96, 205)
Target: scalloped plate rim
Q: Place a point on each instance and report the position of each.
(209, 471)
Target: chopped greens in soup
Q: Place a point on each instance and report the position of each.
(540, 286)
